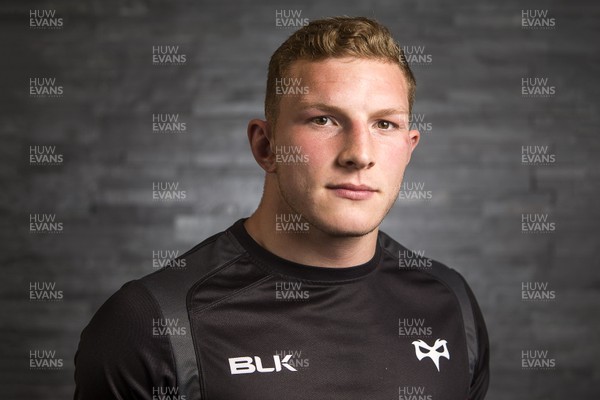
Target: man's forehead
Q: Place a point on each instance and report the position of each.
(348, 70)
(332, 80)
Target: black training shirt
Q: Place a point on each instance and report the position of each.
(231, 321)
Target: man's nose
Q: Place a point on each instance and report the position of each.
(357, 151)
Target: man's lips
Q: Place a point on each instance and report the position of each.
(352, 192)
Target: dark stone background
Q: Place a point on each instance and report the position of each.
(470, 160)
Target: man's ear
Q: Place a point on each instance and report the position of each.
(259, 136)
(413, 137)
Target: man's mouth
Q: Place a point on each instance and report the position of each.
(352, 191)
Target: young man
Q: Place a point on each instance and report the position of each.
(306, 299)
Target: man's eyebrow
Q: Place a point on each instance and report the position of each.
(303, 105)
(391, 111)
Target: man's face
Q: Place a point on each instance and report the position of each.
(351, 126)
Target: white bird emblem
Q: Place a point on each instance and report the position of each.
(433, 352)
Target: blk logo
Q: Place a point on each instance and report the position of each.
(439, 349)
(249, 365)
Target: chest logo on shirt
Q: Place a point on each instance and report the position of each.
(249, 365)
(439, 349)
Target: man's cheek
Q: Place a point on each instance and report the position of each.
(319, 158)
(296, 176)
(294, 154)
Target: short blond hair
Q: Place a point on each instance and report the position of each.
(335, 37)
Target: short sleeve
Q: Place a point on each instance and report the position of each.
(119, 356)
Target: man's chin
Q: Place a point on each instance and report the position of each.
(345, 225)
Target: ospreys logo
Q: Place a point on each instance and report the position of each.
(432, 352)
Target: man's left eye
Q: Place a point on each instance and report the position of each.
(384, 125)
(321, 120)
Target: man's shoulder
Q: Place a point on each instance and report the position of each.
(133, 328)
(204, 259)
(140, 299)
(406, 259)
(414, 262)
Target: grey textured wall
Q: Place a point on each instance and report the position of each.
(469, 165)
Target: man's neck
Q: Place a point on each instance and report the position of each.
(313, 247)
